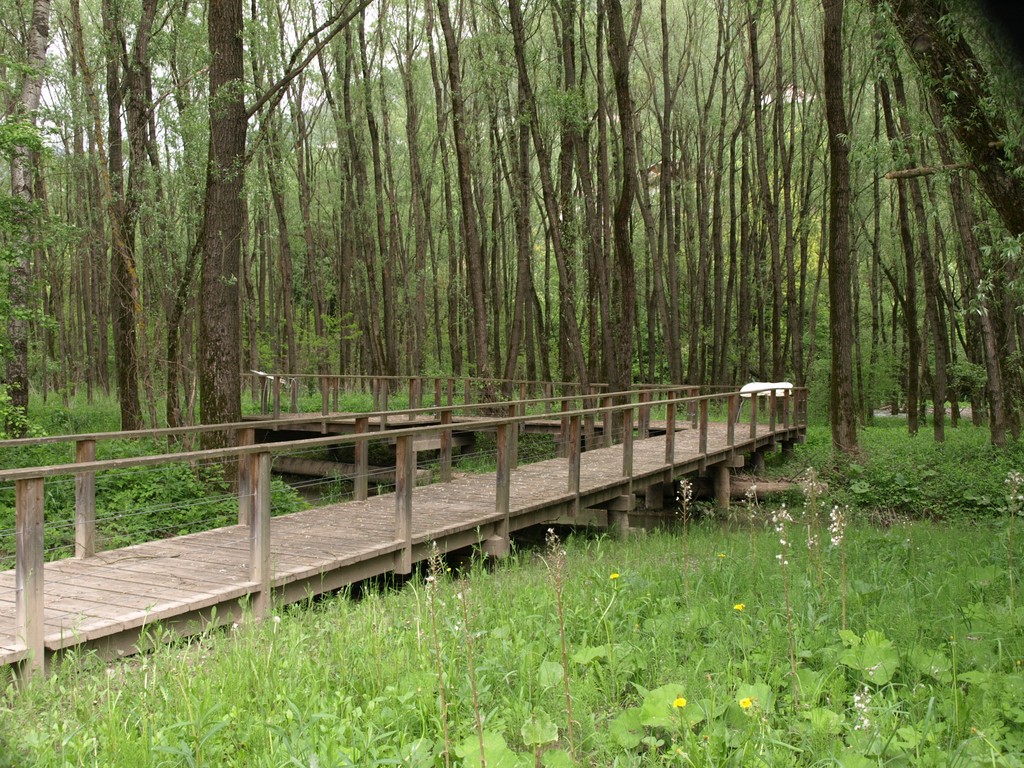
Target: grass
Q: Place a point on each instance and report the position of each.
(928, 671)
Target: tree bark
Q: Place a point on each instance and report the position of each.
(220, 342)
(840, 273)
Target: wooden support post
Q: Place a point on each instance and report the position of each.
(522, 398)
(294, 387)
(336, 391)
(627, 443)
(703, 435)
(758, 462)
(513, 442)
(607, 421)
(754, 398)
(414, 396)
(85, 501)
(259, 534)
(325, 401)
(437, 392)
(385, 385)
(722, 487)
(563, 432)
(733, 411)
(670, 433)
(693, 406)
(573, 448)
(362, 456)
(786, 405)
(277, 397)
(505, 443)
(28, 573)
(773, 404)
(644, 416)
(405, 466)
(246, 481)
(787, 448)
(445, 456)
(654, 496)
(618, 524)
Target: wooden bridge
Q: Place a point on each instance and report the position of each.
(608, 454)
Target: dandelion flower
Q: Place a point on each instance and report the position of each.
(721, 554)
(614, 576)
(739, 606)
(679, 703)
(747, 702)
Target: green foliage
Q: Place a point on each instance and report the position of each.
(897, 475)
(927, 674)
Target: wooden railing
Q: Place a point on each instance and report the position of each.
(622, 415)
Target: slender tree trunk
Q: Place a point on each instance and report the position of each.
(220, 341)
(840, 273)
(18, 282)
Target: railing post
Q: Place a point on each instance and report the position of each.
(513, 444)
(607, 421)
(505, 442)
(563, 433)
(85, 501)
(773, 402)
(574, 459)
(644, 414)
(755, 397)
(336, 389)
(28, 573)
(362, 456)
(437, 392)
(325, 397)
(522, 398)
(259, 533)
(414, 396)
(627, 442)
(277, 397)
(703, 435)
(670, 433)
(385, 387)
(246, 481)
(786, 404)
(294, 386)
(734, 405)
(405, 465)
(446, 446)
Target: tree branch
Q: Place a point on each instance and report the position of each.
(273, 95)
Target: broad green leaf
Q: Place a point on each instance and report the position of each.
(550, 674)
(539, 729)
(626, 729)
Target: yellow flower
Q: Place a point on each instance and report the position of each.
(739, 606)
(679, 703)
(747, 703)
(614, 576)
(721, 554)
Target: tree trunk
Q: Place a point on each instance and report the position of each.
(840, 273)
(220, 342)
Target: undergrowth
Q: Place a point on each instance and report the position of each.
(928, 671)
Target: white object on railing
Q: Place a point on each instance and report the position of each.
(764, 388)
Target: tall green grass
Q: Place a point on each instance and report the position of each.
(928, 671)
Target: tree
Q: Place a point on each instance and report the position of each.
(840, 276)
(23, 142)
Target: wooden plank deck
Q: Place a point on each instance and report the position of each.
(107, 600)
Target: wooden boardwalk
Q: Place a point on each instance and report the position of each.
(107, 601)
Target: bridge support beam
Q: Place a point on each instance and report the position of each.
(757, 460)
(654, 496)
(496, 546)
(722, 487)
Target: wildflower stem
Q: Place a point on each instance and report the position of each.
(472, 675)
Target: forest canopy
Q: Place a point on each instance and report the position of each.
(602, 191)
